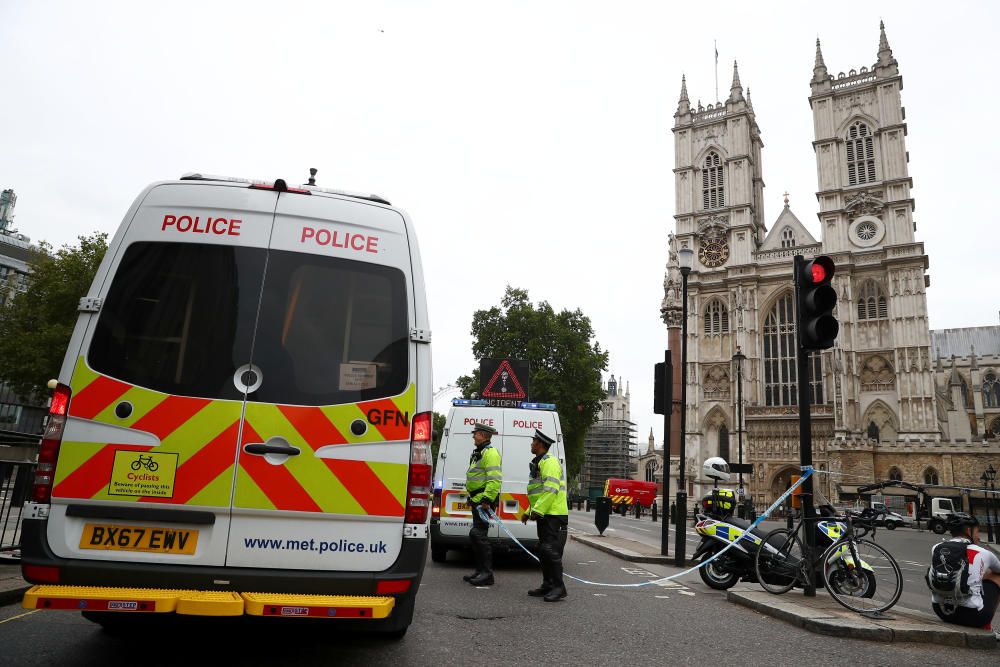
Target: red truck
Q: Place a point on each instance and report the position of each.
(630, 492)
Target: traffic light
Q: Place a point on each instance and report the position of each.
(817, 299)
(659, 384)
(662, 387)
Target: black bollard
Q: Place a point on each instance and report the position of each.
(653, 510)
(602, 513)
(673, 513)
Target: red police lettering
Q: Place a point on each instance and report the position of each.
(340, 239)
(471, 421)
(520, 423)
(195, 225)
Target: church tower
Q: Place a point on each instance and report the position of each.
(882, 359)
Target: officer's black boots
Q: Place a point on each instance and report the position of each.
(556, 594)
(470, 577)
(482, 579)
(540, 591)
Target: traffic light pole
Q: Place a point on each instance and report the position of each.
(805, 436)
(668, 401)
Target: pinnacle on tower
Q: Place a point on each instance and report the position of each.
(684, 104)
(885, 58)
(749, 100)
(736, 90)
(819, 69)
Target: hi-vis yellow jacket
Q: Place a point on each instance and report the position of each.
(546, 490)
(482, 481)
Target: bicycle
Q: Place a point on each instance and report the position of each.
(848, 566)
(146, 462)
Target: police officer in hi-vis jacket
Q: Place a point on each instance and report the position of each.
(482, 484)
(549, 511)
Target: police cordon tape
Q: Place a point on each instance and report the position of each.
(493, 519)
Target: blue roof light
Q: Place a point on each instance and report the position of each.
(476, 402)
(538, 406)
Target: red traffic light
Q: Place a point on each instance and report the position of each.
(819, 270)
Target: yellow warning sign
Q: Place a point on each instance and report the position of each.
(146, 474)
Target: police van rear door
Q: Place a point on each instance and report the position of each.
(324, 452)
(519, 429)
(146, 465)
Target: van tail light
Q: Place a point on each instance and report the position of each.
(418, 483)
(48, 451)
(41, 574)
(436, 504)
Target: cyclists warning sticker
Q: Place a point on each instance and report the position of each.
(143, 474)
(505, 381)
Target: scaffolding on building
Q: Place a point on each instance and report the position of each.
(609, 452)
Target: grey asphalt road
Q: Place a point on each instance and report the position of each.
(676, 624)
(911, 548)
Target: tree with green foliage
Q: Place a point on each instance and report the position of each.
(35, 327)
(565, 365)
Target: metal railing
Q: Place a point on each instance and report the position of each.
(15, 488)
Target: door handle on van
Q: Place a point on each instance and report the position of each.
(262, 448)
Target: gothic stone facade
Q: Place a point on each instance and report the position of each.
(875, 395)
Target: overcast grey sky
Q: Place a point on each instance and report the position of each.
(529, 141)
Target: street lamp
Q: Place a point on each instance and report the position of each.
(685, 260)
(739, 358)
(991, 475)
(986, 497)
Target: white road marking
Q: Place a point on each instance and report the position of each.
(686, 593)
(600, 595)
(645, 530)
(662, 597)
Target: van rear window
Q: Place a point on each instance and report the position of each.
(179, 318)
(182, 318)
(331, 331)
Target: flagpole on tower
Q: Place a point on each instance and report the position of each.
(716, 71)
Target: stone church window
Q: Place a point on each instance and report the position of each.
(872, 431)
(780, 369)
(994, 430)
(931, 476)
(716, 318)
(872, 304)
(991, 390)
(651, 469)
(713, 191)
(787, 238)
(860, 155)
(895, 474)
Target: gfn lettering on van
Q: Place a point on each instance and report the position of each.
(244, 406)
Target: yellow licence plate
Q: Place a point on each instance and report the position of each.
(460, 507)
(139, 538)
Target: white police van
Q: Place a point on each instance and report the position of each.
(242, 421)
(451, 515)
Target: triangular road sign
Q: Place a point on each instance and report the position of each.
(504, 384)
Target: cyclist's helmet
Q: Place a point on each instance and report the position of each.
(716, 468)
(956, 521)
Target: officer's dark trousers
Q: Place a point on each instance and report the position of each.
(481, 549)
(552, 533)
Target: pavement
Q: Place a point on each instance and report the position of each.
(12, 584)
(823, 615)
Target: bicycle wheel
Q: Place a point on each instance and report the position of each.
(779, 563)
(861, 576)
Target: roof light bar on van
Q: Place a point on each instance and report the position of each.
(538, 406)
(474, 402)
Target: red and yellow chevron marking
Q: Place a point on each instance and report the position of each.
(317, 482)
(618, 500)
(522, 505)
(205, 434)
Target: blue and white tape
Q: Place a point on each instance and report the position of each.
(492, 518)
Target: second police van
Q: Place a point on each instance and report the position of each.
(242, 421)
(451, 516)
